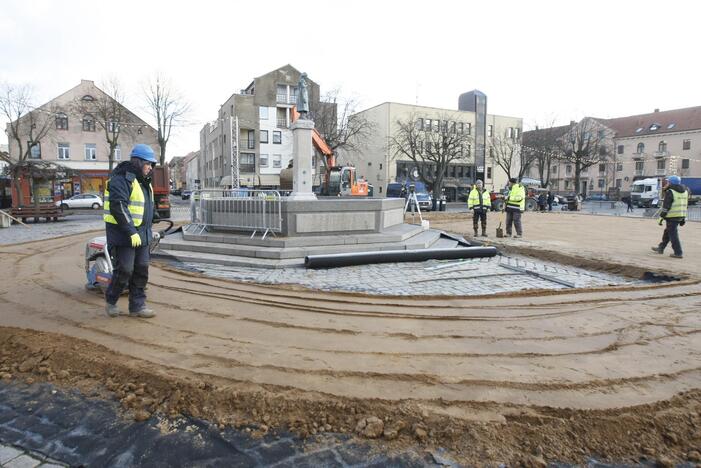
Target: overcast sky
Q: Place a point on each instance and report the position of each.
(538, 60)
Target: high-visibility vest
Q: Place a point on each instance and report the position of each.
(679, 205)
(517, 197)
(473, 200)
(136, 204)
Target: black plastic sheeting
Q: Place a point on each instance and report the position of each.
(395, 256)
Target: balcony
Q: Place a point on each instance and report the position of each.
(248, 144)
(287, 100)
(638, 172)
(281, 123)
(660, 154)
(660, 172)
(247, 168)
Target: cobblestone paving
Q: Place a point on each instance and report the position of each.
(71, 224)
(37, 422)
(435, 277)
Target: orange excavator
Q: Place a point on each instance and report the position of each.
(341, 181)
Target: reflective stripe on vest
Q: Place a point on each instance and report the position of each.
(517, 197)
(679, 205)
(473, 200)
(136, 204)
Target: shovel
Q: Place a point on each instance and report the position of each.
(500, 231)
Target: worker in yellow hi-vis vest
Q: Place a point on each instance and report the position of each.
(128, 213)
(674, 211)
(515, 205)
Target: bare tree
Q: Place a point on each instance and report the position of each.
(585, 144)
(432, 146)
(543, 148)
(26, 123)
(336, 120)
(508, 155)
(107, 112)
(165, 105)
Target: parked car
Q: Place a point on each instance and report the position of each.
(176, 192)
(597, 197)
(83, 200)
(185, 194)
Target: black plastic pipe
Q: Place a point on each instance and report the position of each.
(394, 256)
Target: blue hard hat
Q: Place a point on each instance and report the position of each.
(674, 180)
(144, 152)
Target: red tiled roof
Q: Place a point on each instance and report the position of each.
(679, 119)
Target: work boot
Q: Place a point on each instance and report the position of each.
(484, 233)
(112, 310)
(657, 250)
(675, 255)
(475, 233)
(518, 236)
(143, 313)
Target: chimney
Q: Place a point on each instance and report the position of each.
(657, 110)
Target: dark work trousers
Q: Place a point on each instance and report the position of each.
(671, 234)
(479, 215)
(130, 270)
(513, 217)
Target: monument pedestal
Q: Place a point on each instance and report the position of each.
(302, 161)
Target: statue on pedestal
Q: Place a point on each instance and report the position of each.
(302, 96)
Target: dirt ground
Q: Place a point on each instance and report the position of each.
(517, 379)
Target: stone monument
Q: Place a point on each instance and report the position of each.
(302, 149)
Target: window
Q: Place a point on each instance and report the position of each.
(639, 129)
(453, 127)
(641, 148)
(489, 172)
(88, 98)
(277, 137)
(639, 166)
(469, 128)
(461, 127)
(444, 128)
(118, 153)
(619, 183)
(671, 126)
(654, 127)
(517, 132)
(263, 113)
(263, 136)
(686, 145)
(662, 147)
(620, 149)
(64, 151)
(491, 152)
(139, 131)
(602, 168)
(685, 163)
(88, 123)
(567, 184)
(263, 160)
(603, 150)
(250, 142)
(113, 126)
(427, 125)
(568, 169)
(248, 162)
(61, 121)
(90, 152)
(419, 124)
(509, 132)
(380, 166)
(601, 183)
(660, 164)
(619, 167)
(554, 169)
(452, 171)
(490, 129)
(469, 150)
(277, 160)
(436, 125)
(34, 151)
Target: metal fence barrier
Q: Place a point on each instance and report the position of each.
(618, 208)
(241, 210)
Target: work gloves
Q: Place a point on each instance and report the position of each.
(135, 240)
(682, 222)
(660, 221)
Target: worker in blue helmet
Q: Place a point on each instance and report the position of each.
(128, 213)
(673, 213)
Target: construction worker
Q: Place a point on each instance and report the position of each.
(479, 202)
(673, 212)
(515, 205)
(128, 213)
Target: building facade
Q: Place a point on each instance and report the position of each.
(75, 140)
(376, 160)
(263, 111)
(656, 144)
